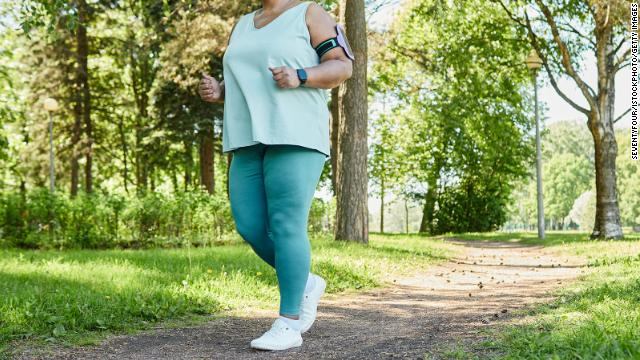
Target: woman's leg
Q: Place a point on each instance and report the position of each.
(291, 174)
(248, 202)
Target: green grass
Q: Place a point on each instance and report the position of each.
(77, 297)
(597, 317)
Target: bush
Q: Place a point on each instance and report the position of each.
(44, 220)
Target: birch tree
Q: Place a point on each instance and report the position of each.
(564, 33)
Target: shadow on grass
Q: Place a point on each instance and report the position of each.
(600, 320)
(51, 308)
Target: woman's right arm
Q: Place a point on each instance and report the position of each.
(210, 89)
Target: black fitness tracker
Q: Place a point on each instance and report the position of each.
(302, 75)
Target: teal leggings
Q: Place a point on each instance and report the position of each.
(271, 187)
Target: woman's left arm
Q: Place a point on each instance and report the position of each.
(334, 68)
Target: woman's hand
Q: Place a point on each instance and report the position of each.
(334, 68)
(210, 89)
(285, 77)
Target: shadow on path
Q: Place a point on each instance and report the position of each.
(413, 316)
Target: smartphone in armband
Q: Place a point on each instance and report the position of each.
(338, 41)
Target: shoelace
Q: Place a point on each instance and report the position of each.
(278, 328)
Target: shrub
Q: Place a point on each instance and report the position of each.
(40, 219)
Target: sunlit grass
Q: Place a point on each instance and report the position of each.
(74, 296)
(597, 317)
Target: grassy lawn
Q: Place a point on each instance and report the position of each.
(597, 317)
(77, 297)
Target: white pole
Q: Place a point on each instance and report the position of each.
(541, 234)
(52, 174)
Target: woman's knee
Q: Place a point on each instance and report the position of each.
(286, 225)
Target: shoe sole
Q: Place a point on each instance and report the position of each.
(317, 300)
(296, 344)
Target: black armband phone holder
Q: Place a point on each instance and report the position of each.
(339, 41)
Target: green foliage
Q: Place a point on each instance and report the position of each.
(320, 215)
(45, 220)
(44, 13)
(473, 205)
(566, 177)
(455, 70)
(568, 180)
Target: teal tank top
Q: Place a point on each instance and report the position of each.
(256, 110)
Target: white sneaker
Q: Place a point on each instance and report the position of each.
(310, 300)
(280, 336)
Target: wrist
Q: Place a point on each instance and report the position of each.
(221, 99)
(302, 76)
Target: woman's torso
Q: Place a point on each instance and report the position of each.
(256, 109)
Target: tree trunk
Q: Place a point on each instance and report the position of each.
(83, 72)
(142, 77)
(336, 115)
(406, 216)
(152, 179)
(382, 205)
(600, 121)
(426, 225)
(123, 141)
(336, 99)
(188, 165)
(77, 112)
(206, 161)
(75, 142)
(607, 222)
(141, 163)
(352, 218)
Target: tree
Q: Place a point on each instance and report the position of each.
(628, 182)
(352, 217)
(567, 157)
(386, 160)
(10, 110)
(566, 177)
(454, 66)
(73, 17)
(198, 38)
(562, 32)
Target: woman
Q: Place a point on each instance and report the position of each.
(279, 61)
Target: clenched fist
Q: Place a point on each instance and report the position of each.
(210, 89)
(286, 78)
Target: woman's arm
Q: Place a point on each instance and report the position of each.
(334, 68)
(210, 89)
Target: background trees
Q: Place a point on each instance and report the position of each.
(456, 70)
(569, 181)
(563, 33)
(438, 114)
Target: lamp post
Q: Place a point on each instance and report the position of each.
(51, 105)
(534, 63)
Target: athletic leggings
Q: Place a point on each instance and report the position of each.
(271, 187)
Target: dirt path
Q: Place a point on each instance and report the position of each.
(416, 316)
